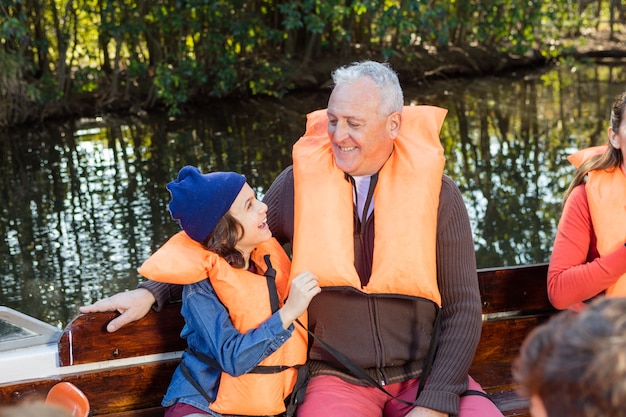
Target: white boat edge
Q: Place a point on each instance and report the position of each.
(36, 355)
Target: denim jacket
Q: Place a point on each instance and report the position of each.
(209, 330)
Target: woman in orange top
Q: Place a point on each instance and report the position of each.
(589, 256)
(244, 353)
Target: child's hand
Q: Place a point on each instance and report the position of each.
(303, 288)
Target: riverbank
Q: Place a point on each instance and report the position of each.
(416, 66)
(430, 64)
(472, 61)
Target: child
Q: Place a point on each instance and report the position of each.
(575, 364)
(244, 352)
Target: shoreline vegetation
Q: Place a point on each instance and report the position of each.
(79, 58)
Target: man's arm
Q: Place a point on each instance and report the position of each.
(135, 304)
(279, 200)
(460, 297)
(132, 305)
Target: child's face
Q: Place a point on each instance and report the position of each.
(252, 214)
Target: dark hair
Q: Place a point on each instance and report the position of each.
(612, 158)
(228, 231)
(576, 362)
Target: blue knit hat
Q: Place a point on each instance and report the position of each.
(200, 200)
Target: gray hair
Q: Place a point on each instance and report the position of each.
(383, 76)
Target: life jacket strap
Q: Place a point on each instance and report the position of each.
(270, 277)
(359, 372)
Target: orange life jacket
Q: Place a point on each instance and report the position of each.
(245, 294)
(406, 204)
(606, 195)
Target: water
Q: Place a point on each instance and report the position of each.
(83, 203)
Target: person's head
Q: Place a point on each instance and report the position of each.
(575, 364)
(364, 116)
(615, 153)
(219, 210)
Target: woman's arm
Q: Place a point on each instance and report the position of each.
(576, 272)
(461, 309)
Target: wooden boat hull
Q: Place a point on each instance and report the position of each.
(126, 373)
(123, 372)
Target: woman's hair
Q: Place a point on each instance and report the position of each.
(384, 78)
(224, 238)
(576, 363)
(611, 158)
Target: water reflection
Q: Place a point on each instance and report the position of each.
(84, 202)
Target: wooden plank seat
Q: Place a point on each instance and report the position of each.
(514, 302)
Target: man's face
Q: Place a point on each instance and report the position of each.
(361, 138)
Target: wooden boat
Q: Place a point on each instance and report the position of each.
(126, 373)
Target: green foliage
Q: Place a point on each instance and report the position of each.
(266, 81)
(86, 80)
(17, 96)
(292, 18)
(173, 84)
(48, 88)
(12, 28)
(227, 47)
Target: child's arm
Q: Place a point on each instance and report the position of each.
(303, 288)
(209, 330)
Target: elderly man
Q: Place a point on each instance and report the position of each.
(367, 209)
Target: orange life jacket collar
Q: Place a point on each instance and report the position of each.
(406, 201)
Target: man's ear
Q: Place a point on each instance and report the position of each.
(394, 122)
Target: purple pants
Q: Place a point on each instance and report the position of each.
(329, 396)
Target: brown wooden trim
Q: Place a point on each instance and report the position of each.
(85, 339)
(518, 288)
(502, 339)
(121, 390)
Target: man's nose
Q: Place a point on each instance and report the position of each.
(340, 131)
